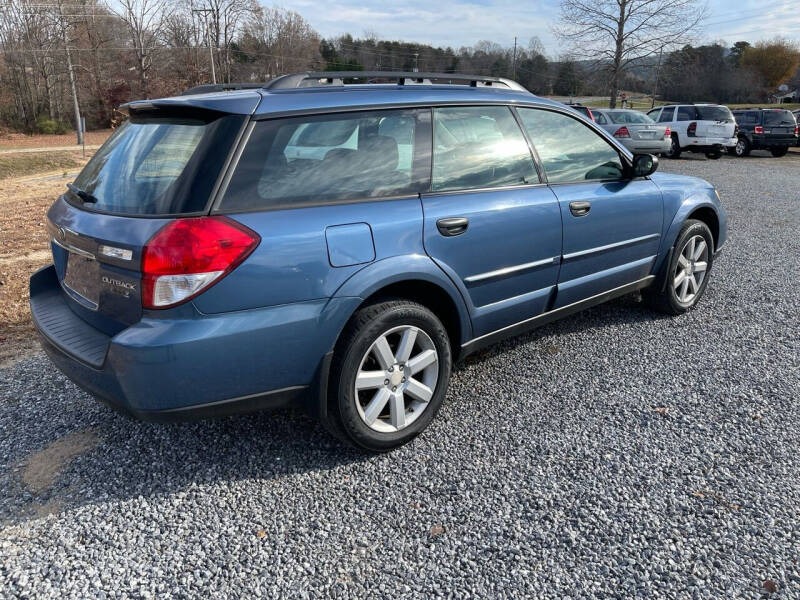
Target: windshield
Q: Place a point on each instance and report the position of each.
(779, 117)
(153, 167)
(714, 113)
(629, 116)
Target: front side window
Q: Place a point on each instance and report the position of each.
(600, 118)
(667, 115)
(479, 147)
(321, 158)
(653, 114)
(569, 150)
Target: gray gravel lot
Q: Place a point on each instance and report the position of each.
(616, 453)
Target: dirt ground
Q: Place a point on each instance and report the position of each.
(21, 141)
(24, 248)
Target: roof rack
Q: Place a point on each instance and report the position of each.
(210, 88)
(337, 78)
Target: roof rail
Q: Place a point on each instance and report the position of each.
(210, 88)
(336, 78)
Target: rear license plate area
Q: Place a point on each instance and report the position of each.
(82, 278)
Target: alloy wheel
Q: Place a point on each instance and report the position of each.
(396, 379)
(740, 148)
(691, 269)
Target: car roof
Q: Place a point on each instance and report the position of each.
(264, 102)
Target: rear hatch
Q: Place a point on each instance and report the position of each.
(715, 121)
(158, 166)
(779, 124)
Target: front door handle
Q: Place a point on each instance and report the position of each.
(452, 226)
(579, 209)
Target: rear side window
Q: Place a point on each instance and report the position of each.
(569, 150)
(326, 158)
(479, 147)
(667, 116)
(158, 166)
(686, 113)
(747, 118)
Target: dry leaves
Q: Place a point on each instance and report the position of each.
(437, 530)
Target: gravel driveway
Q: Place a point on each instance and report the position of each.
(616, 453)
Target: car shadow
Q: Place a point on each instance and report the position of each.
(112, 458)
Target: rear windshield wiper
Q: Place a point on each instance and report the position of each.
(85, 196)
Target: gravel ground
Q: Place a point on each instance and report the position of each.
(617, 453)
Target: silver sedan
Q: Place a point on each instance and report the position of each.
(637, 132)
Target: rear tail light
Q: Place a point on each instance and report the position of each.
(668, 133)
(735, 130)
(758, 129)
(691, 131)
(796, 130)
(589, 111)
(187, 256)
(622, 132)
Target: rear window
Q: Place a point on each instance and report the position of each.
(776, 118)
(324, 158)
(714, 113)
(157, 166)
(629, 116)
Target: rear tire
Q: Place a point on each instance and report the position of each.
(389, 375)
(780, 151)
(687, 272)
(675, 149)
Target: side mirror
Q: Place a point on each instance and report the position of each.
(644, 165)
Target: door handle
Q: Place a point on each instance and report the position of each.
(579, 209)
(452, 226)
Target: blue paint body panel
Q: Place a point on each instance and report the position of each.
(269, 324)
(350, 245)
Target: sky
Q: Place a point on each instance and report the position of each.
(458, 23)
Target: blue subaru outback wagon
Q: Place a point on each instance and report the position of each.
(339, 240)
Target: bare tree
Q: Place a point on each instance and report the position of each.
(146, 21)
(617, 33)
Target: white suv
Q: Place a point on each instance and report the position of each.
(706, 128)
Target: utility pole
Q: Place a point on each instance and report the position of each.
(514, 61)
(71, 72)
(205, 12)
(658, 72)
(416, 62)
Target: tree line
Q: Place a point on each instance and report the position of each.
(56, 52)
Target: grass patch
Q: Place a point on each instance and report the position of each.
(30, 163)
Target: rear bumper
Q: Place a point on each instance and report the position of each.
(649, 146)
(185, 368)
(705, 144)
(775, 141)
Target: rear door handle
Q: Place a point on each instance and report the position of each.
(452, 226)
(579, 209)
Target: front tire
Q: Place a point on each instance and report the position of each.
(687, 272)
(780, 151)
(389, 376)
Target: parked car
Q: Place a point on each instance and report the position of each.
(796, 114)
(210, 259)
(772, 129)
(636, 131)
(705, 128)
(580, 108)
